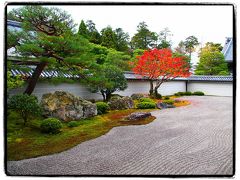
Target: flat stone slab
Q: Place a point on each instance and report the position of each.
(138, 115)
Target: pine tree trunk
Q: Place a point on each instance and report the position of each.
(33, 80)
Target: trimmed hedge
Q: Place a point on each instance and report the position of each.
(198, 93)
(51, 126)
(102, 107)
(169, 101)
(146, 105)
(188, 93)
(146, 100)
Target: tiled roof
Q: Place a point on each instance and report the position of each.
(13, 23)
(129, 75)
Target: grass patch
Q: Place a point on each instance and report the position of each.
(28, 141)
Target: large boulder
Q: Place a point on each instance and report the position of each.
(137, 96)
(119, 103)
(66, 106)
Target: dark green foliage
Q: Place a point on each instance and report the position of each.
(146, 105)
(156, 95)
(181, 93)
(93, 35)
(166, 97)
(72, 124)
(146, 100)
(188, 93)
(108, 38)
(198, 93)
(122, 40)
(102, 107)
(107, 80)
(144, 38)
(190, 43)
(212, 61)
(176, 94)
(51, 126)
(25, 105)
(169, 101)
(83, 30)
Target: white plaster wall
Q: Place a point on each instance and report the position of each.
(167, 88)
(76, 89)
(212, 88)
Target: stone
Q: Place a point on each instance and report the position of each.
(119, 103)
(161, 105)
(66, 106)
(138, 115)
(137, 96)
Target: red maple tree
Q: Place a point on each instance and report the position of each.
(161, 65)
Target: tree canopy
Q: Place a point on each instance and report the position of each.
(212, 61)
(161, 65)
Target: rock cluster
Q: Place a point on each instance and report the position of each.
(119, 103)
(66, 106)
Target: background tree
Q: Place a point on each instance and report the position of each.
(212, 61)
(122, 40)
(181, 48)
(82, 30)
(161, 66)
(106, 81)
(190, 44)
(94, 35)
(163, 38)
(108, 38)
(144, 38)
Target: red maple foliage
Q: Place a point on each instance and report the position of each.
(161, 65)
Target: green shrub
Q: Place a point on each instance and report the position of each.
(169, 101)
(198, 93)
(146, 105)
(25, 105)
(146, 100)
(157, 96)
(72, 124)
(102, 107)
(188, 93)
(51, 125)
(181, 93)
(176, 94)
(166, 97)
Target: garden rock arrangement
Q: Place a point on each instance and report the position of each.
(138, 115)
(119, 103)
(67, 107)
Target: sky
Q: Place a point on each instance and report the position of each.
(207, 23)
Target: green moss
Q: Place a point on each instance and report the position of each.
(28, 142)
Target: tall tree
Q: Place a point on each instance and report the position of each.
(94, 35)
(212, 61)
(144, 38)
(164, 39)
(122, 40)
(190, 44)
(108, 37)
(161, 66)
(82, 30)
(180, 48)
(48, 38)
